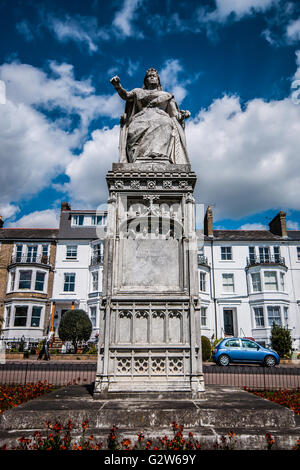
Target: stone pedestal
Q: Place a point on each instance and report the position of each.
(150, 329)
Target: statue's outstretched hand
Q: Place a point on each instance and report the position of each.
(115, 81)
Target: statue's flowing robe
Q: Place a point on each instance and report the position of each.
(151, 132)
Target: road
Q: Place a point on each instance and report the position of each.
(62, 373)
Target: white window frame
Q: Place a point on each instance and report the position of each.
(261, 317)
(34, 270)
(30, 306)
(269, 283)
(203, 316)
(69, 283)
(94, 282)
(73, 252)
(226, 285)
(92, 317)
(256, 284)
(226, 253)
(202, 281)
(270, 323)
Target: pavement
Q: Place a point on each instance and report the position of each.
(220, 410)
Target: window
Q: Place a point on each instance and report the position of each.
(25, 279)
(19, 253)
(233, 343)
(203, 311)
(71, 252)
(276, 254)
(93, 315)
(12, 280)
(20, 316)
(274, 316)
(252, 254)
(31, 253)
(7, 319)
(226, 253)
(202, 282)
(259, 316)
(298, 253)
(282, 281)
(270, 280)
(264, 254)
(69, 283)
(45, 253)
(228, 282)
(78, 219)
(95, 281)
(39, 281)
(36, 317)
(256, 282)
(286, 315)
(98, 219)
(248, 344)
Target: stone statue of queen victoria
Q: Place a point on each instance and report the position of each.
(152, 126)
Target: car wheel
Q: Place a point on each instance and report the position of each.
(223, 360)
(269, 361)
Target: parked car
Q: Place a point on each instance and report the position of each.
(242, 350)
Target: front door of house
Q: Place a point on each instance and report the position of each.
(228, 322)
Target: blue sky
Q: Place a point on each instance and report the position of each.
(235, 64)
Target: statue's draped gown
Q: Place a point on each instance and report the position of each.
(151, 132)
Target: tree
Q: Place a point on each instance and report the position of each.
(281, 340)
(206, 348)
(75, 326)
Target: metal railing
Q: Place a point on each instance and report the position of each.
(96, 259)
(255, 260)
(202, 260)
(64, 373)
(30, 259)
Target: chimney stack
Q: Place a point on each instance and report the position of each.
(65, 206)
(278, 225)
(208, 222)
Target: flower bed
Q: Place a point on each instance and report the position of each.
(287, 398)
(58, 437)
(14, 395)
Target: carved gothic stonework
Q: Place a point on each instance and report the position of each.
(150, 322)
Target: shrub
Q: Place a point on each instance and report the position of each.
(206, 348)
(281, 340)
(75, 326)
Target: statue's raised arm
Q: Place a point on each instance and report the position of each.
(115, 81)
(152, 127)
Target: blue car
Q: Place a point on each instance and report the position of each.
(243, 350)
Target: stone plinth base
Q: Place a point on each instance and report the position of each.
(221, 410)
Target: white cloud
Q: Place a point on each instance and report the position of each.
(35, 149)
(8, 210)
(124, 19)
(80, 29)
(239, 8)
(253, 226)
(293, 30)
(39, 219)
(172, 82)
(291, 225)
(247, 160)
(87, 172)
